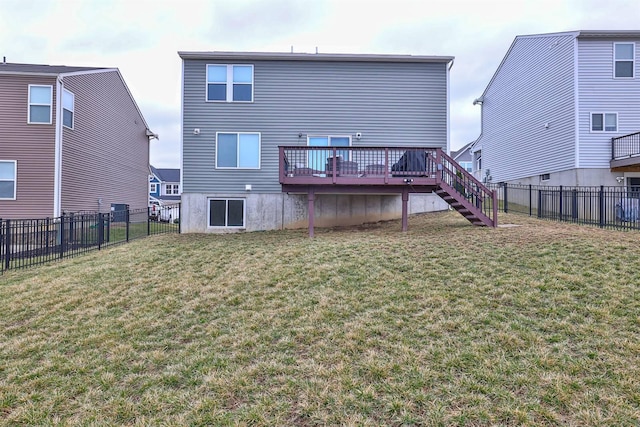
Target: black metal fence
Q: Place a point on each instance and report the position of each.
(27, 242)
(606, 207)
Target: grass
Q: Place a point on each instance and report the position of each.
(447, 324)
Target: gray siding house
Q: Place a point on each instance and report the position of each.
(239, 111)
(563, 109)
(72, 138)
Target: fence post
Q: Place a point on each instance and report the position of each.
(62, 236)
(179, 217)
(7, 242)
(539, 203)
(148, 221)
(561, 204)
(71, 229)
(506, 198)
(574, 204)
(127, 222)
(601, 206)
(100, 230)
(530, 200)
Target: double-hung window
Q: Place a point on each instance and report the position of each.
(604, 122)
(468, 166)
(624, 60)
(238, 150)
(171, 189)
(68, 101)
(230, 83)
(153, 187)
(8, 177)
(226, 213)
(40, 101)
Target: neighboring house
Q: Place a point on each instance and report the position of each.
(464, 157)
(260, 131)
(72, 139)
(164, 185)
(561, 110)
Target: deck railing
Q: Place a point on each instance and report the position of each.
(625, 146)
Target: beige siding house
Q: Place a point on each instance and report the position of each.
(72, 139)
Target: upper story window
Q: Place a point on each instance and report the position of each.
(468, 166)
(604, 122)
(68, 101)
(238, 150)
(230, 83)
(153, 187)
(171, 189)
(624, 59)
(40, 100)
(8, 177)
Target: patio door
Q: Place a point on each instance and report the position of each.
(318, 158)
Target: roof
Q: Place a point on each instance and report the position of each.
(335, 57)
(167, 175)
(6, 67)
(455, 154)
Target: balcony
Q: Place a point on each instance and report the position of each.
(625, 153)
(358, 169)
(385, 170)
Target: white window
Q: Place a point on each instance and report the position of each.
(604, 122)
(40, 100)
(226, 213)
(8, 177)
(468, 166)
(171, 189)
(229, 83)
(153, 187)
(68, 103)
(238, 150)
(624, 59)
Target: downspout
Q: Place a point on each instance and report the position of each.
(57, 178)
(448, 109)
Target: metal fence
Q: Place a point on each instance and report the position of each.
(27, 242)
(605, 207)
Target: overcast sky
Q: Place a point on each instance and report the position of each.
(141, 38)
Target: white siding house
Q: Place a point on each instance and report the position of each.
(553, 106)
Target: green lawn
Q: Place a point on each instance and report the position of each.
(447, 324)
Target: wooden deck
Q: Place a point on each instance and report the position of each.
(385, 170)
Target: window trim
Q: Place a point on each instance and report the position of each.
(238, 150)
(14, 180)
(226, 220)
(229, 83)
(50, 105)
(632, 60)
(604, 124)
(73, 108)
(153, 187)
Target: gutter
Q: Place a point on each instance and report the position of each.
(57, 177)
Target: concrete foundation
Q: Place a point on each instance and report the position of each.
(576, 178)
(280, 210)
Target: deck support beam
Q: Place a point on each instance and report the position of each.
(405, 213)
(311, 197)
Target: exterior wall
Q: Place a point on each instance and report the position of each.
(105, 158)
(599, 92)
(32, 145)
(279, 210)
(389, 103)
(575, 178)
(402, 104)
(533, 86)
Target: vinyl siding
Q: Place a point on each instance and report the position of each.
(106, 155)
(389, 103)
(599, 92)
(533, 86)
(32, 145)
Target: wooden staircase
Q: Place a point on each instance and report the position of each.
(464, 193)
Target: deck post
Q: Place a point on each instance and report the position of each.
(405, 214)
(311, 199)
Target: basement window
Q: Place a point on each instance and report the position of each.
(226, 213)
(545, 177)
